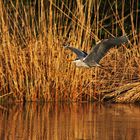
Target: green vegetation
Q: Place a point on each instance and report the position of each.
(33, 62)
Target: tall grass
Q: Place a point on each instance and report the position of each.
(33, 62)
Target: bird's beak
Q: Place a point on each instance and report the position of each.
(69, 60)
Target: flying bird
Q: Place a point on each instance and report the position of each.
(97, 52)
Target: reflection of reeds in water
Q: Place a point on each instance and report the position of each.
(70, 121)
(32, 60)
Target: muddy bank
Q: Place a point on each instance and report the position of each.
(129, 93)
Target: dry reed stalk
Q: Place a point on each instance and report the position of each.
(33, 62)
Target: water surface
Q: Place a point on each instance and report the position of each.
(76, 121)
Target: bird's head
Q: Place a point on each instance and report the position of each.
(72, 60)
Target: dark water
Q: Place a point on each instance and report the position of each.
(70, 122)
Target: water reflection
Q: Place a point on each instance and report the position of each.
(74, 121)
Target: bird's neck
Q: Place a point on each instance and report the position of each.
(80, 63)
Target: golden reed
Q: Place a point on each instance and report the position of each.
(33, 62)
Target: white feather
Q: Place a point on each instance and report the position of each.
(80, 63)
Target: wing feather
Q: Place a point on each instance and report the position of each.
(100, 50)
(79, 53)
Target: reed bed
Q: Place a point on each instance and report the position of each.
(33, 64)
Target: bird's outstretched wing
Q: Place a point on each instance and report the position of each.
(79, 53)
(99, 50)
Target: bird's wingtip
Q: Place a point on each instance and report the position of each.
(124, 38)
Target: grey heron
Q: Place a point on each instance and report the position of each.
(97, 52)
